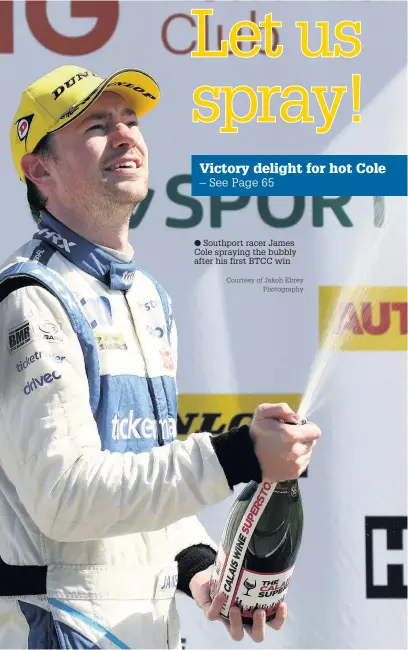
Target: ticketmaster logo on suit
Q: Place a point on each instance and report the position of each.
(133, 427)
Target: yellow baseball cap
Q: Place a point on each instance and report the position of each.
(60, 96)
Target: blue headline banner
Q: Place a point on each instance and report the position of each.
(299, 175)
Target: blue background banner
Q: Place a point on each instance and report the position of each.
(320, 175)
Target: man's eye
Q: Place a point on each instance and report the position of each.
(132, 123)
(96, 126)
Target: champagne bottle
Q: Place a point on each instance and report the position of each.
(258, 548)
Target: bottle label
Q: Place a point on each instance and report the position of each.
(258, 591)
(253, 590)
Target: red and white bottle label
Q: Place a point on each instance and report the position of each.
(252, 590)
(260, 591)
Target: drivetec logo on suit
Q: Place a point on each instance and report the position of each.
(39, 382)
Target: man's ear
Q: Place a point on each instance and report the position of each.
(35, 169)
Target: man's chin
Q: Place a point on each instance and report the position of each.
(130, 190)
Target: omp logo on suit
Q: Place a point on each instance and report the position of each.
(365, 318)
(386, 557)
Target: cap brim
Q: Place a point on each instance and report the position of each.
(138, 88)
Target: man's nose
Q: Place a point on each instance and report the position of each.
(122, 134)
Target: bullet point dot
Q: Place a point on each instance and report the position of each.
(197, 242)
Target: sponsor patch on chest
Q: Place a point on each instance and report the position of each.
(110, 340)
(167, 360)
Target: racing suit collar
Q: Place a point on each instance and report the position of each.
(87, 256)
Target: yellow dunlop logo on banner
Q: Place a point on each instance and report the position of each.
(219, 413)
(363, 318)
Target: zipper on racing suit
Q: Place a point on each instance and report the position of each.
(150, 386)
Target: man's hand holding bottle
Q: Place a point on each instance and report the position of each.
(283, 451)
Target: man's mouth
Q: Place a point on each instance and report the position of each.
(126, 165)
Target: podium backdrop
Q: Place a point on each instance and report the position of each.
(239, 344)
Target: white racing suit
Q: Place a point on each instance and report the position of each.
(94, 485)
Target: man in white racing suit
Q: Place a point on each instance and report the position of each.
(98, 498)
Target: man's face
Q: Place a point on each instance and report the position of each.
(100, 160)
